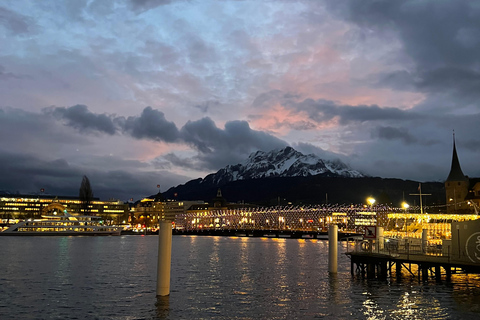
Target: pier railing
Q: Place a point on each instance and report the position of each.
(401, 248)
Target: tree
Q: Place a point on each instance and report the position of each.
(86, 195)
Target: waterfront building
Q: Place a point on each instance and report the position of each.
(149, 211)
(217, 214)
(462, 193)
(20, 207)
(456, 187)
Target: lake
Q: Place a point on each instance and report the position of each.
(212, 278)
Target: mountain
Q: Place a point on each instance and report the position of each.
(286, 162)
(287, 175)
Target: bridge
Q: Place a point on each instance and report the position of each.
(297, 218)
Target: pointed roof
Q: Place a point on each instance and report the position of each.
(219, 200)
(456, 173)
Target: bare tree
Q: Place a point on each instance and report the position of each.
(86, 195)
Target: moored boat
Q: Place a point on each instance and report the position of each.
(62, 225)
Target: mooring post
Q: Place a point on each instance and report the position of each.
(438, 274)
(424, 240)
(164, 258)
(398, 269)
(380, 239)
(332, 248)
(424, 273)
(448, 271)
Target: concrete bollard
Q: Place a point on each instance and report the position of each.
(332, 248)
(164, 258)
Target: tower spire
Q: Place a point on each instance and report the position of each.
(456, 173)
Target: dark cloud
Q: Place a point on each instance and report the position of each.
(145, 5)
(462, 83)
(205, 106)
(219, 147)
(79, 117)
(441, 37)
(26, 173)
(204, 135)
(308, 148)
(151, 125)
(321, 111)
(180, 162)
(399, 80)
(391, 133)
(15, 22)
(434, 33)
(9, 75)
(37, 132)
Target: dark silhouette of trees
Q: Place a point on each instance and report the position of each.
(86, 195)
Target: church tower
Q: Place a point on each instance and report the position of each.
(456, 186)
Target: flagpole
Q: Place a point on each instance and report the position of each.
(420, 194)
(421, 205)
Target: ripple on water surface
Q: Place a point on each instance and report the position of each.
(212, 278)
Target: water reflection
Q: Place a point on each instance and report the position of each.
(212, 278)
(163, 307)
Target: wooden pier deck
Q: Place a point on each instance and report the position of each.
(431, 262)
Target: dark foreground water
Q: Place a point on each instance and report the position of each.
(212, 278)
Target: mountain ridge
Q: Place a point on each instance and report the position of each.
(265, 177)
(285, 162)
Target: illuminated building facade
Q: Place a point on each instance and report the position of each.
(19, 207)
(149, 211)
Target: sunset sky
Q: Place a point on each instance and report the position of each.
(135, 93)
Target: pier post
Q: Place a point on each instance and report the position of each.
(380, 239)
(383, 272)
(448, 271)
(164, 258)
(424, 240)
(332, 248)
(438, 274)
(424, 273)
(370, 270)
(398, 269)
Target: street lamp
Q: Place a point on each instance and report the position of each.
(371, 201)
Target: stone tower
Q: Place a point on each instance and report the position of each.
(456, 186)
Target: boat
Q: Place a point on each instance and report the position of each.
(62, 225)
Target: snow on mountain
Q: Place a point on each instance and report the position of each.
(286, 162)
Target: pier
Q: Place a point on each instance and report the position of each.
(382, 258)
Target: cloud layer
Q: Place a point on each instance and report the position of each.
(159, 92)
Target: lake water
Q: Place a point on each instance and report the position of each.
(212, 278)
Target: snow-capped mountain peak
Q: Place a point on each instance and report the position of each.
(286, 162)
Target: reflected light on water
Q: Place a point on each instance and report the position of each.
(212, 278)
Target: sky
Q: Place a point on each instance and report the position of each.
(140, 93)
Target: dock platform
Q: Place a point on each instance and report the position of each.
(374, 260)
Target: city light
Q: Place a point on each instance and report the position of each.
(371, 201)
